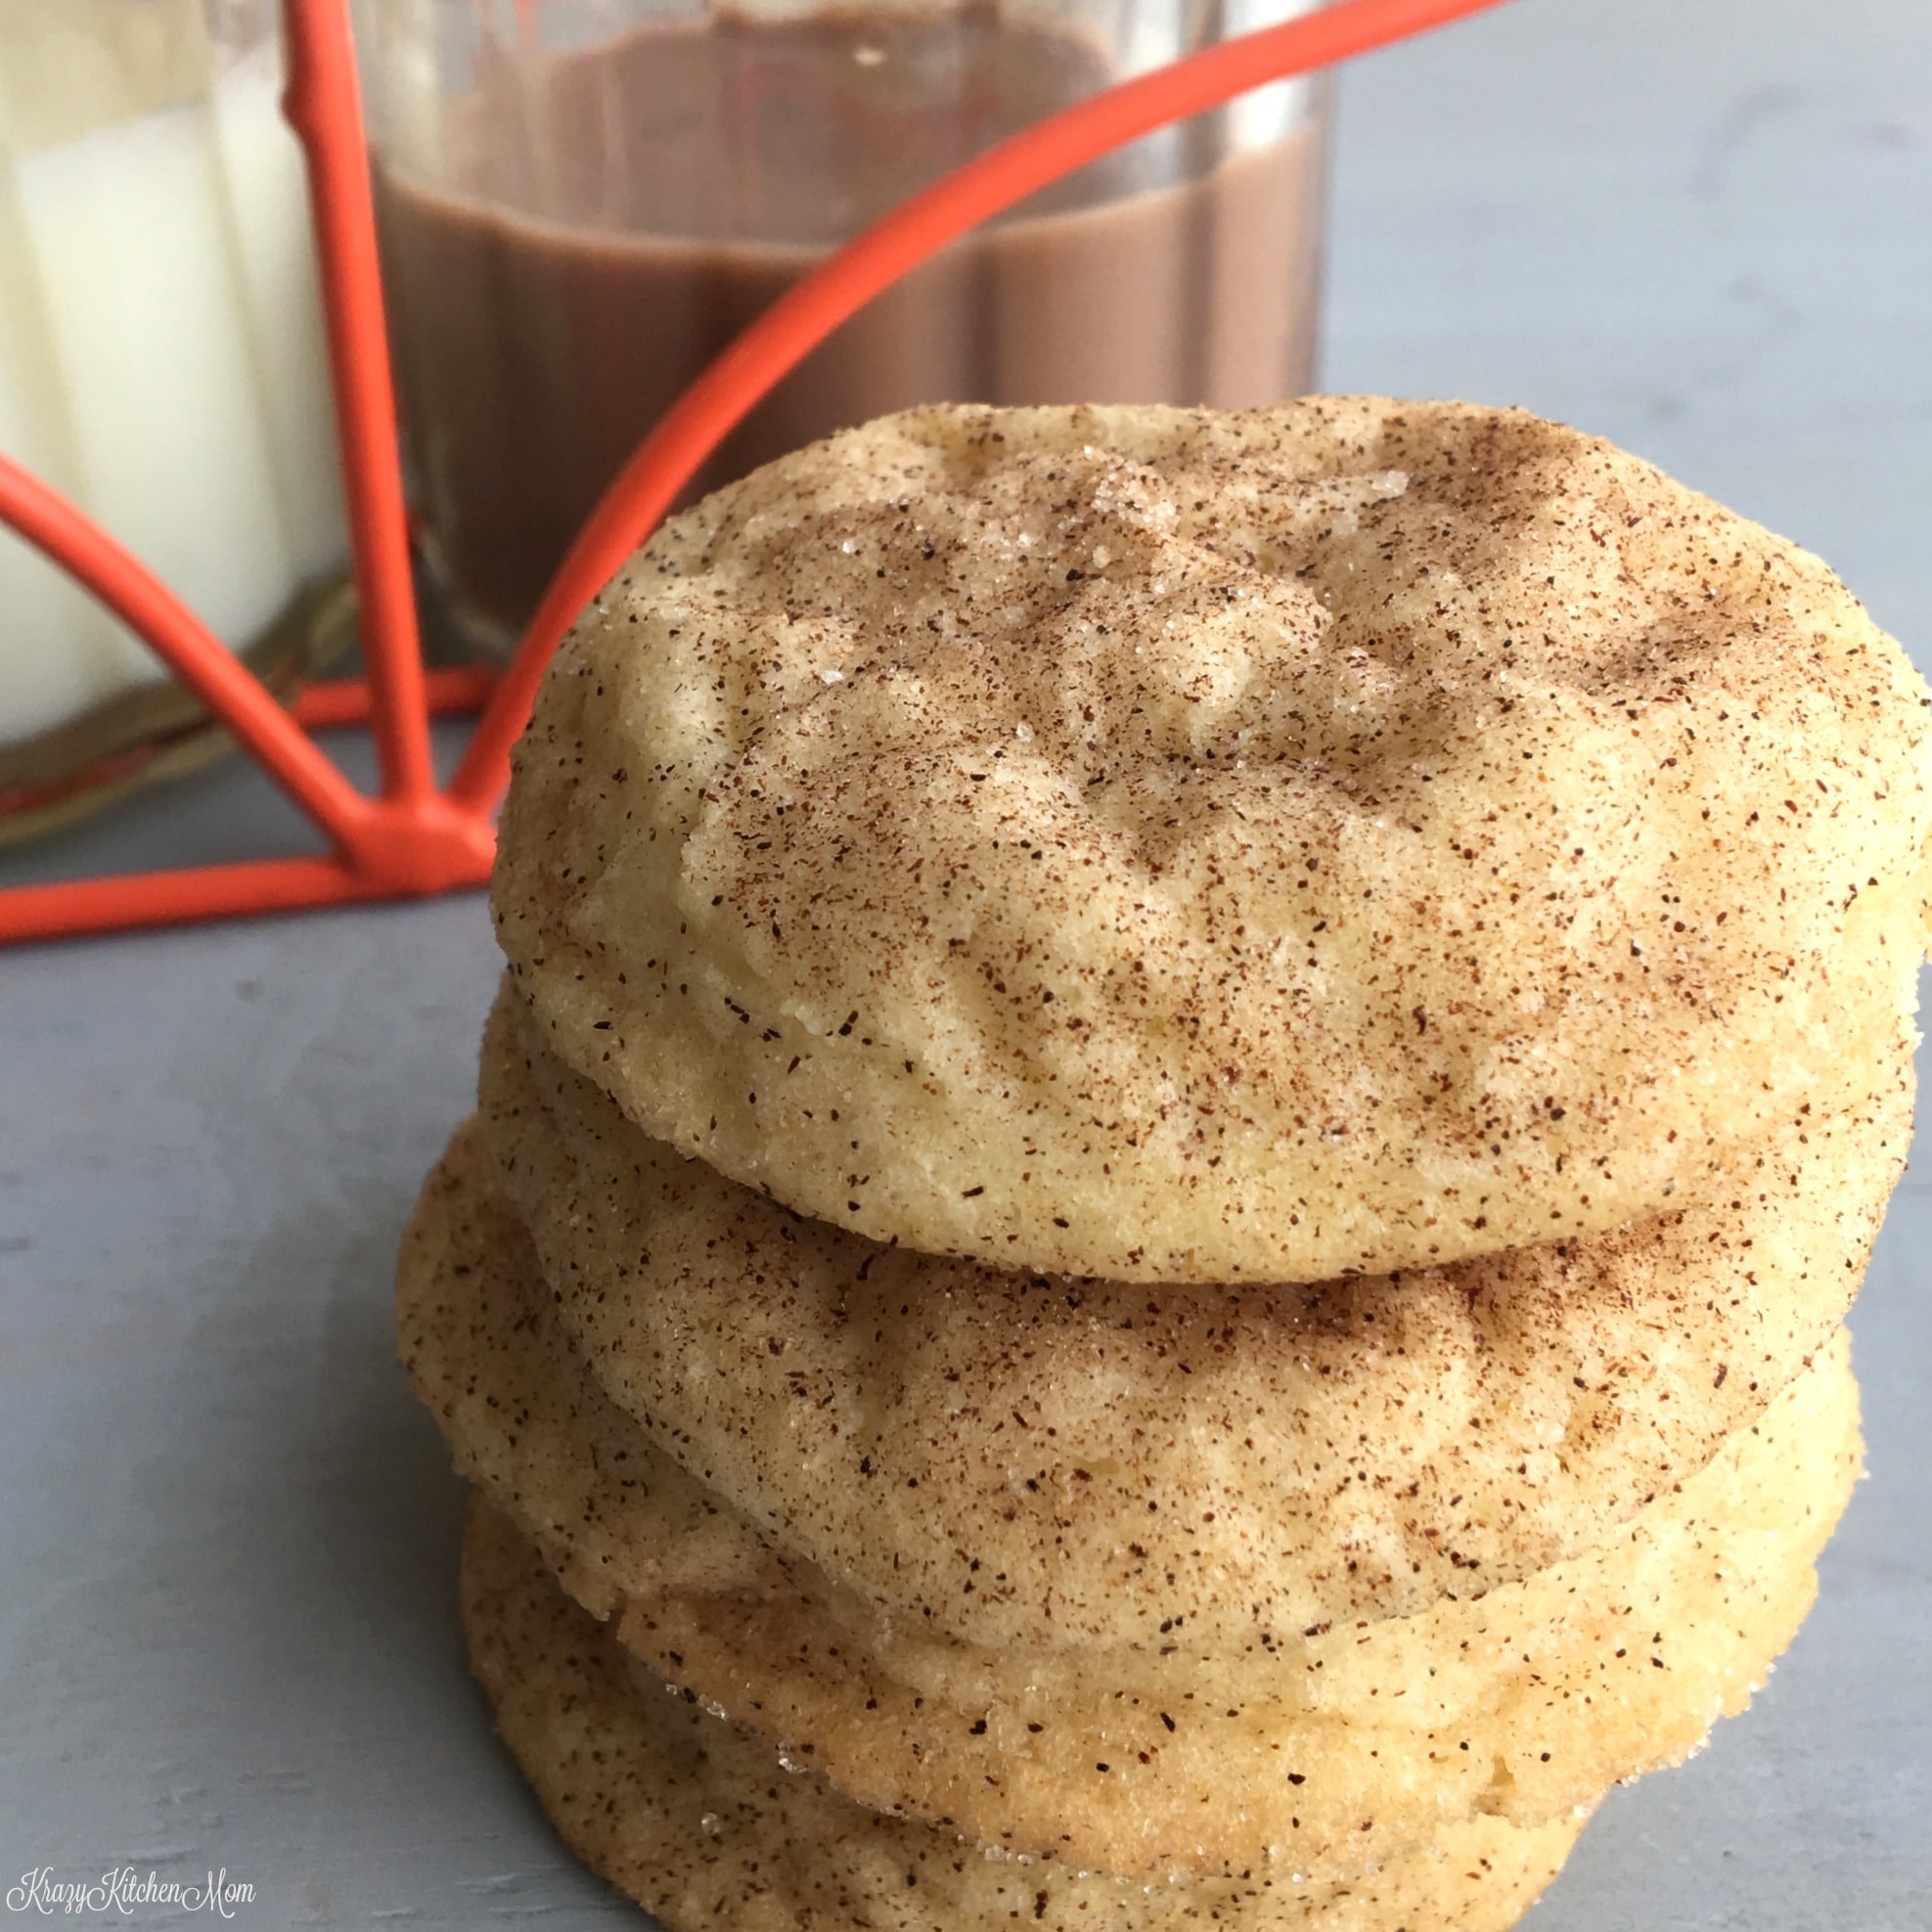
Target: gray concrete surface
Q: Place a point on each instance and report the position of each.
(227, 1536)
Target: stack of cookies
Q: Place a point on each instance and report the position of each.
(1166, 1175)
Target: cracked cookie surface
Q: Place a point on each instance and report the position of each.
(1173, 847)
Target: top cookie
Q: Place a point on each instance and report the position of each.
(1163, 845)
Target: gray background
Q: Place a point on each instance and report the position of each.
(226, 1535)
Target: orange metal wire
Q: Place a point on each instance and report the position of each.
(447, 690)
(413, 840)
(324, 106)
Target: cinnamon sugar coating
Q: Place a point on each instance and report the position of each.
(1172, 847)
(1019, 1462)
(695, 1821)
(1333, 1751)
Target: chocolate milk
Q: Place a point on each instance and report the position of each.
(623, 213)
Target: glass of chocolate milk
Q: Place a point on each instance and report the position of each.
(581, 202)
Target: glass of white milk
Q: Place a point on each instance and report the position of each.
(162, 364)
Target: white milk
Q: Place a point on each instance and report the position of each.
(268, 210)
(162, 364)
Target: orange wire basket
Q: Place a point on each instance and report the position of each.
(412, 837)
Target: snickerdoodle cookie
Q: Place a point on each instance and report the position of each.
(1336, 1748)
(1037, 1462)
(1178, 847)
(698, 1823)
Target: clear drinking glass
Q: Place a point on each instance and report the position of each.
(162, 364)
(580, 202)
